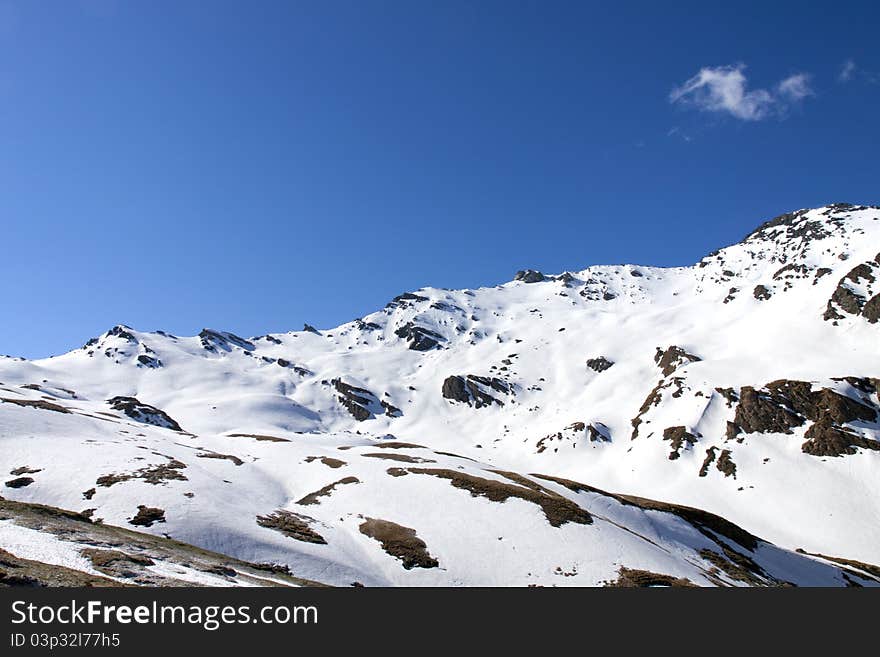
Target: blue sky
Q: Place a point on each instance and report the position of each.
(254, 166)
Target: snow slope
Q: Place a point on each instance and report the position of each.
(638, 380)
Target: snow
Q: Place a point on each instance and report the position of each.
(827, 505)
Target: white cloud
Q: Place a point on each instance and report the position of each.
(725, 89)
(795, 87)
(847, 71)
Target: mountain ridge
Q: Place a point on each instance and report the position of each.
(723, 386)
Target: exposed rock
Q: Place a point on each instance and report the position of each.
(24, 470)
(764, 413)
(390, 409)
(729, 395)
(598, 432)
(871, 309)
(825, 439)
(710, 458)
(529, 276)
(19, 482)
(405, 299)
(147, 515)
(679, 437)
(653, 399)
(419, 337)
(473, 390)
(726, 465)
(358, 401)
(784, 404)
(145, 413)
(308, 328)
(215, 341)
(599, 364)
(672, 358)
(123, 332)
(762, 292)
(149, 361)
(852, 294)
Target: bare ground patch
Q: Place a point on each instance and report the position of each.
(329, 461)
(293, 525)
(703, 521)
(37, 403)
(217, 455)
(403, 458)
(634, 578)
(326, 491)
(557, 509)
(154, 475)
(400, 542)
(259, 436)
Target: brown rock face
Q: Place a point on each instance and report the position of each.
(761, 292)
(825, 439)
(762, 413)
(672, 358)
(783, 405)
(871, 310)
(846, 299)
(679, 437)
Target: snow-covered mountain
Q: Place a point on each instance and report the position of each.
(440, 440)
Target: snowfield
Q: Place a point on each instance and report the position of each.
(498, 436)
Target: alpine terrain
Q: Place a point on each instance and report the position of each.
(621, 425)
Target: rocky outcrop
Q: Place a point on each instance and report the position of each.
(405, 300)
(762, 292)
(145, 413)
(856, 294)
(147, 516)
(826, 439)
(598, 433)
(529, 276)
(783, 405)
(146, 360)
(360, 402)
(215, 341)
(599, 364)
(419, 337)
(679, 437)
(671, 359)
(474, 390)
